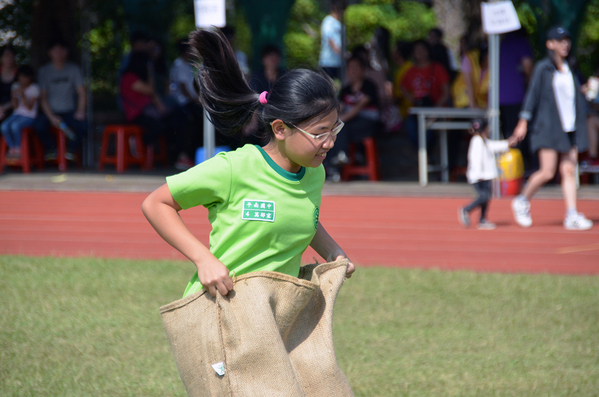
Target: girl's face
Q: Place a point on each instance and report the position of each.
(304, 151)
(561, 47)
(24, 81)
(486, 132)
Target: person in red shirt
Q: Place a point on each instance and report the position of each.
(143, 106)
(425, 84)
(141, 103)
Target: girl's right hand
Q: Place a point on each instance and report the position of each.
(214, 276)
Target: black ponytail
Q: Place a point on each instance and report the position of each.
(299, 95)
(220, 84)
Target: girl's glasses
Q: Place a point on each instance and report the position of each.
(322, 137)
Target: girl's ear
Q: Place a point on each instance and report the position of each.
(278, 129)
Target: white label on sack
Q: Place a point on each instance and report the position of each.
(219, 368)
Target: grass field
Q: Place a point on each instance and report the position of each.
(91, 327)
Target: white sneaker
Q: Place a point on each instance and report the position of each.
(521, 209)
(577, 222)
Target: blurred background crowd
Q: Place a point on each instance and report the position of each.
(78, 66)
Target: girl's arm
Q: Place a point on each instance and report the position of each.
(498, 146)
(357, 108)
(162, 211)
(54, 119)
(326, 247)
(147, 88)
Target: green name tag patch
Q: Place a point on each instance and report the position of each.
(258, 210)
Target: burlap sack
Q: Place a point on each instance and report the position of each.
(272, 334)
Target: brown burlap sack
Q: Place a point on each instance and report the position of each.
(272, 333)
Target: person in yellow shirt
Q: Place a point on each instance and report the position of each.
(401, 55)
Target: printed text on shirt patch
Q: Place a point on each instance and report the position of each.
(258, 210)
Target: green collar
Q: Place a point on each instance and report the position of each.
(279, 170)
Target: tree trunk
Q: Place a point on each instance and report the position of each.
(451, 19)
(53, 19)
(458, 18)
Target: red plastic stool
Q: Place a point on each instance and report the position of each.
(61, 148)
(372, 167)
(29, 143)
(152, 157)
(123, 156)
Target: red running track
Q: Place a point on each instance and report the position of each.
(374, 231)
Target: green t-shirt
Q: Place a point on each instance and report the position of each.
(263, 217)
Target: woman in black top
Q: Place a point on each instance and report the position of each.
(556, 110)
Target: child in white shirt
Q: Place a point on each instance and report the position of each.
(24, 94)
(482, 169)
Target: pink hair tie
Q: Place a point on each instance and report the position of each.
(263, 97)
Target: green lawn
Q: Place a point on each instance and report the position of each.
(91, 327)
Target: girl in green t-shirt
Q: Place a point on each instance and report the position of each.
(299, 119)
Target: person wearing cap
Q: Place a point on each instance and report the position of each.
(554, 111)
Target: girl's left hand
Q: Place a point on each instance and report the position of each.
(350, 266)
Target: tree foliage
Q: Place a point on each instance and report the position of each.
(110, 23)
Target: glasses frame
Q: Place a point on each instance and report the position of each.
(321, 137)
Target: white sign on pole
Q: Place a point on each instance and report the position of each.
(499, 17)
(210, 13)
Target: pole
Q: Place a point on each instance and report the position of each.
(88, 149)
(208, 13)
(208, 137)
(494, 97)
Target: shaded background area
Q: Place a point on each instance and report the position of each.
(98, 36)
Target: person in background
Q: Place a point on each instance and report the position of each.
(145, 107)
(141, 102)
(401, 55)
(263, 80)
(159, 72)
(389, 114)
(593, 126)
(8, 75)
(62, 99)
(590, 90)
(330, 59)
(181, 89)
(271, 71)
(139, 43)
(425, 84)
(475, 69)
(441, 53)
(25, 95)
(242, 58)
(556, 110)
(516, 63)
(360, 111)
(482, 169)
